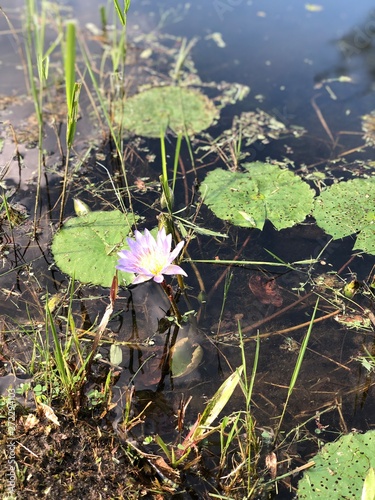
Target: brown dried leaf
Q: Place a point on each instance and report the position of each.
(140, 184)
(271, 464)
(30, 422)
(162, 465)
(48, 413)
(266, 290)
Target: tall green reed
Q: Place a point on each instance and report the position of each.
(72, 90)
(122, 13)
(112, 102)
(167, 185)
(35, 29)
(119, 42)
(203, 427)
(227, 283)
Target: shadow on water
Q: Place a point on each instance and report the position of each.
(294, 61)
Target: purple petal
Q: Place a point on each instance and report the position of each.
(161, 235)
(143, 270)
(150, 257)
(123, 254)
(141, 278)
(148, 240)
(167, 243)
(177, 250)
(133, 245)
(138, 235)
(173, 269)
(123, 266)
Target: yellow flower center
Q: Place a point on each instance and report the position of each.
(153, 263)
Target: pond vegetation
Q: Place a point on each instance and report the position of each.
(223, 378)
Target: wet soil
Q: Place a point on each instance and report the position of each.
(74, 461)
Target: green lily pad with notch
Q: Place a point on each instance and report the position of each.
(262, 191)
(340, 469)
(86, 247)
(181, 109)
(348, 208)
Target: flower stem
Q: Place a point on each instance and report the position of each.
(168, 290)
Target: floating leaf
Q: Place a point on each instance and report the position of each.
(217, 403)
(263, 191)
(80, 207)
(347, 208)
(368, 492)
(115, 355)
(186, 357)
(86, 247)
(180, 109)
(340, 468)
(217, 38)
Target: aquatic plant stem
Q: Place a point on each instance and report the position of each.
(224, 274)
(122, 13)
(176, 160)
(168, 291)
(116, 137)
(166, 363)
(167, 196)
(297, 368)
(35, 40)
(228, 281)
(72, 96)
(322, 119)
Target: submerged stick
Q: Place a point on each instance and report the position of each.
(322, 119)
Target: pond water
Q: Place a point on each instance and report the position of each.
(310, 66)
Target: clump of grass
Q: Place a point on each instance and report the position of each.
(60, 361)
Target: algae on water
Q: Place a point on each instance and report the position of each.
(180, 109)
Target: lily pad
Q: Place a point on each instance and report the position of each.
(178, 108)
(186, 357)
(86, 247)
(340, 468)
(347, 208)
(263, 191)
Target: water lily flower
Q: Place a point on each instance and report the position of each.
(150, 258)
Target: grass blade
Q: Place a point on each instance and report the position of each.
(217, 403)
(69, 64)
(297, 367)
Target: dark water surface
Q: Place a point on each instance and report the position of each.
(314, 69)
